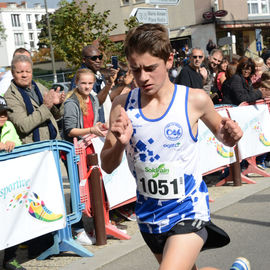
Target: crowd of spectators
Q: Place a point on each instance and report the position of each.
(227, 81)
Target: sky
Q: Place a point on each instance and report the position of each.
(50, 3)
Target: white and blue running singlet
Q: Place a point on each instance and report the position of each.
(163, 157)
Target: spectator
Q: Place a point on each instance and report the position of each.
(34, 110)
(34, 114)
(81, 108)
(125, 86)
(259, 69)
(80, 118)
(214, 59)
(239, 87)
(266, 59)
(92, 59)
(210, 46)
(230, 71)
(221, 76)
(190, 74)
(124, 81)
(264, 52)
(186, 53)
(8, 140)
(7, 77)
(34, 107)
(263, 161)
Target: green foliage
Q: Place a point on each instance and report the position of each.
(119, 46)
(131, 22)
(3, 36)
(47, 84)
(73, 28)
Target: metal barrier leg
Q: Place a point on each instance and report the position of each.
(63, 241)
(252, 168)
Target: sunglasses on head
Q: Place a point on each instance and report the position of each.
(95, 57)
(197, 56)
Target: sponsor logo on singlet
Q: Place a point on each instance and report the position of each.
(156, 171)
(173, 131)
(175, 146)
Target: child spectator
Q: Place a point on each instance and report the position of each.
(8, 140)
(80, 119)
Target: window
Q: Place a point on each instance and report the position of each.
(31, 36)
(37, 17)
(15, 20)
(18, 37)
(28, 17)
(32, 44)
(125, 2)
(216, 5)
(258, 7)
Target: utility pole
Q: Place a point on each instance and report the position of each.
(51, 46)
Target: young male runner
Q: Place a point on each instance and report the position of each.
(156, 124)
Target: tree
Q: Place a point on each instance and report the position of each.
(73, 28)
(2, 32)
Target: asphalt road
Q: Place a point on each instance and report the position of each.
(246, 221)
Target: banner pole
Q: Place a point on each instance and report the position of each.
(96, 199)
(236, 170)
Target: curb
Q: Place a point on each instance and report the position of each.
(108, 254)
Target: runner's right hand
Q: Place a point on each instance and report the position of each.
(122, 127)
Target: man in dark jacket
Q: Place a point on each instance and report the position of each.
(190, 74)
(92, 59)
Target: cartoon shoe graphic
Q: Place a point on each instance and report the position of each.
(41, 212)
(263, 140)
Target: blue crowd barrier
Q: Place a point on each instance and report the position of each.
(63, 240)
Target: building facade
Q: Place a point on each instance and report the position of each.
(186, 23)
(245, 18)
(20, 23)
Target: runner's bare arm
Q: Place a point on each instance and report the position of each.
(226, 130)
(118, 136)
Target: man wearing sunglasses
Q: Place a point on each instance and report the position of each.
(191, 75)
(92, 59)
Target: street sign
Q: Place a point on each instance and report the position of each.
(208, 15)
(221, 13)
(225, 40)
(163, 2)
(151, 15)
(258, 35)
(258, 46)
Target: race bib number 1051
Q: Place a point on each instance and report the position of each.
(160, 181)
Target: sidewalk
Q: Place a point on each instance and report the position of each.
(223, 196)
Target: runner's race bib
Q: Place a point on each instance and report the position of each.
(160, 180)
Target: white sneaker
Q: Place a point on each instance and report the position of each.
(85, 239)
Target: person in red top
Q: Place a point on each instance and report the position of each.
(81, 108)
(80, 119)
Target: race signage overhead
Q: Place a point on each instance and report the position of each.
(162, 2)
(151, 15)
